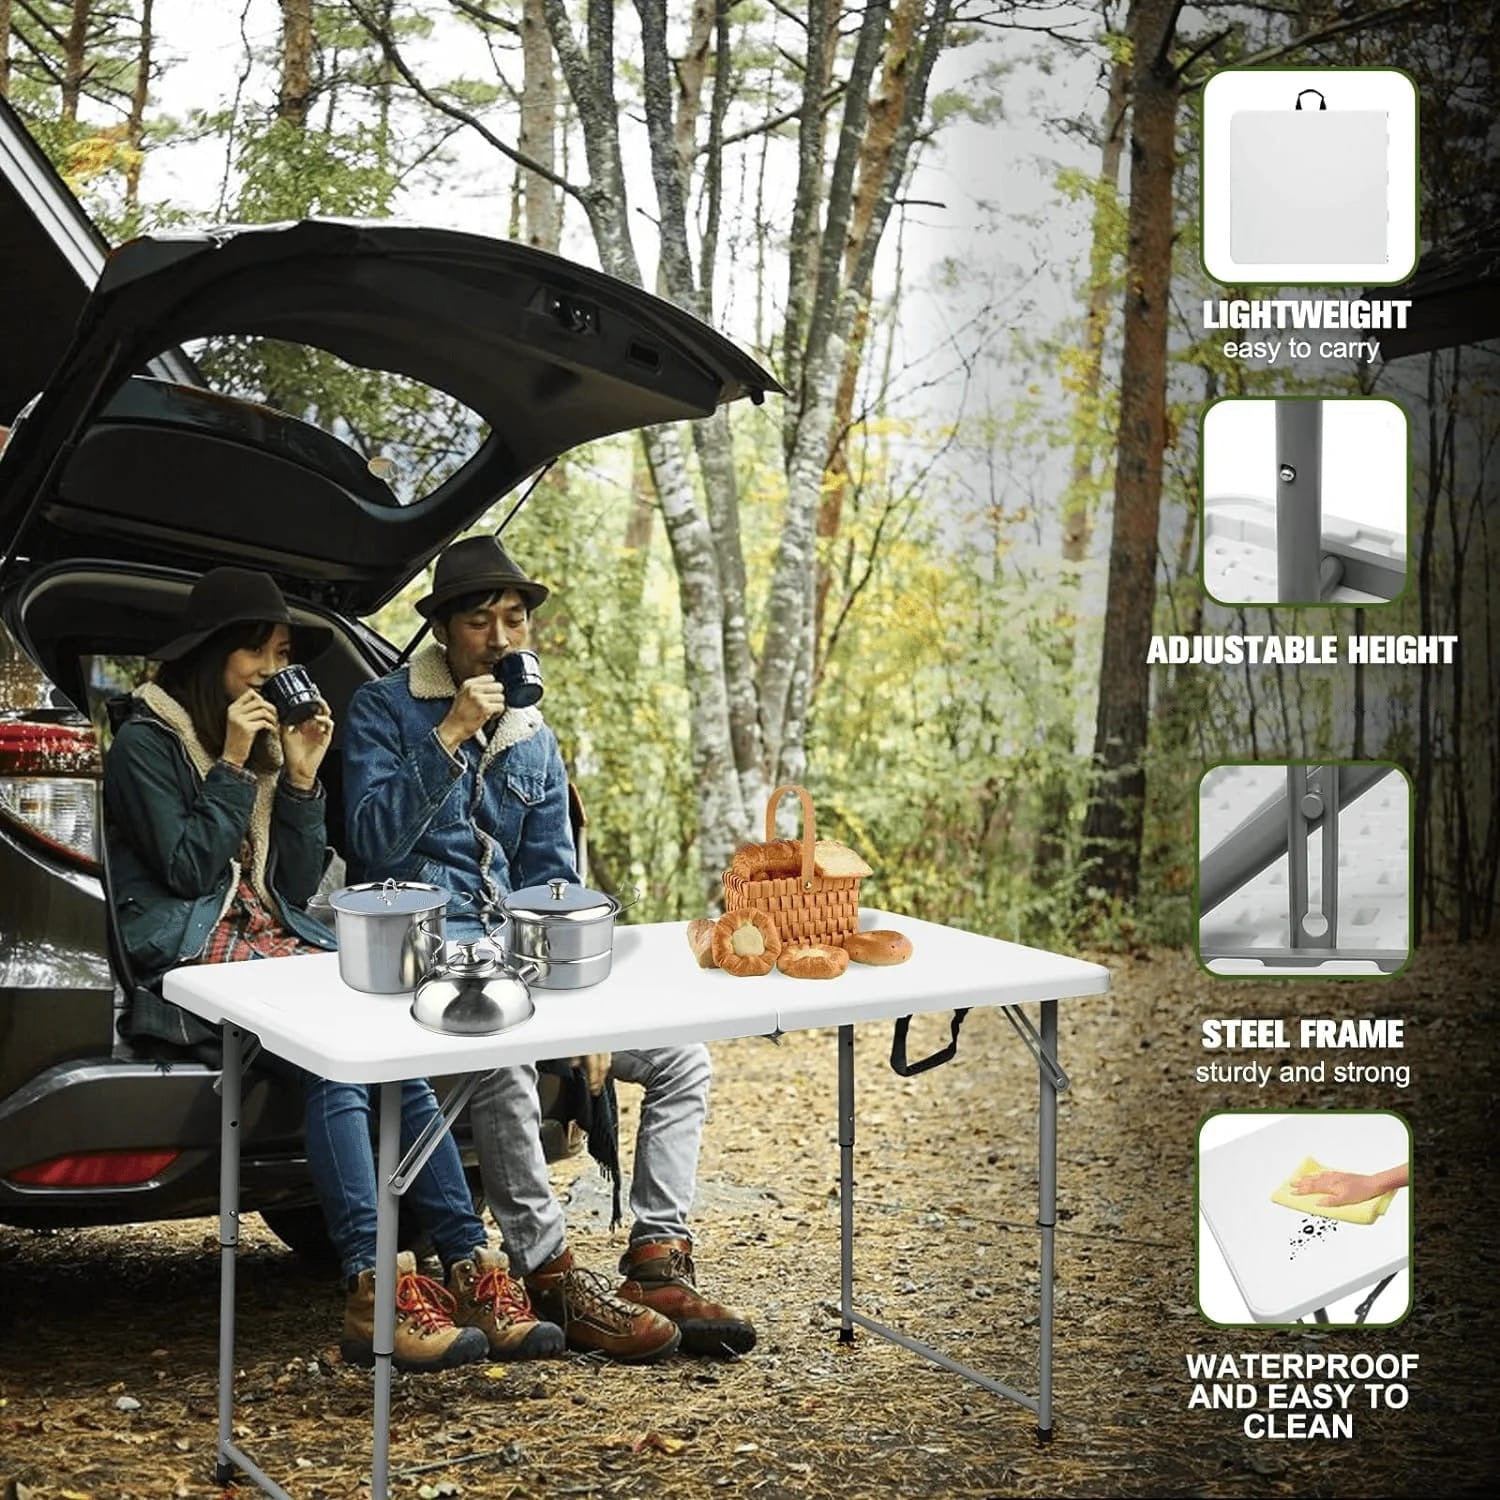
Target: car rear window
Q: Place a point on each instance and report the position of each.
(410, 436)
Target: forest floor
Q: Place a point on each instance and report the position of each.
(946, 1248)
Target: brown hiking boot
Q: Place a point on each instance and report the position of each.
(426, 1338)
(593, 1319)
(491, 1299)
(659, 1275)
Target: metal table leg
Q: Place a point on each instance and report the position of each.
(1046, 1176)
(229, 1239)
(1053, 1079)
(237, 1048)
(846, 1184)
(386, 1208)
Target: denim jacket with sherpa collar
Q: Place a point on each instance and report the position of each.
(487, 820)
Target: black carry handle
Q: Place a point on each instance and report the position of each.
(938, 1058)
(1322, 102)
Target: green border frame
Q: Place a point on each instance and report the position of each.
(1204, 165)
(1411, 1220)
(1313, 975)
(1406, 580)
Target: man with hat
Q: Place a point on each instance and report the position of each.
(448, 783)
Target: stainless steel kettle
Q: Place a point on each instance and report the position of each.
(474, 990)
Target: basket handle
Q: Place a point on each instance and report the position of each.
(809, 827)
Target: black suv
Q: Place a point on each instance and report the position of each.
(124, 479)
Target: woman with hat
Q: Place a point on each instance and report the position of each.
(215, 827)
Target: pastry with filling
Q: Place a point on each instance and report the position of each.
(746, 942)
(812, 961)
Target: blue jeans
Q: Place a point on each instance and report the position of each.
(341, 1158)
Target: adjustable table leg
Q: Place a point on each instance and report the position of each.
(1046, 1211)
(846, 1184)
(229, 1239)
(385, 1282)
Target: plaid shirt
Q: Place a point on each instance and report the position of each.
(249, 930)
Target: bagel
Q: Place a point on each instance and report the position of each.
(881, 946)
(812, 961)
(745, 942)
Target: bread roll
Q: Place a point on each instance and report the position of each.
(700, 936)
(773, 861)
(812, 961)
(746, 942)
(881, 946)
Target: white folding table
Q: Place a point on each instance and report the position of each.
(655, 996)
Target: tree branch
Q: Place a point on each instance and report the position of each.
(787, 115)
(485, 17)
(393, 56)
(1346, 27)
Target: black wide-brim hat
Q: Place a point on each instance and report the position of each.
(478, 565)
(239, 596)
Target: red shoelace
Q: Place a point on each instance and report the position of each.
(505, 1294)
(426, 1302)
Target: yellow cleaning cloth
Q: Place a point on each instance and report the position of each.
(1307, 1203)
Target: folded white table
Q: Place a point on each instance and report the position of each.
(655, 996)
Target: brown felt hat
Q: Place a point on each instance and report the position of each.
(478, 564)
(235, 596)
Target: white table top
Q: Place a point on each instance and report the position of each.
(1281, 1272)
(656, 995)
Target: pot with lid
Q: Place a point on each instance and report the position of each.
(473, 991)
(389, 932)
(564, 929)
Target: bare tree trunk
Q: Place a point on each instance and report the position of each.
(692, 69)
(590, 79)
(295, 97)
(538, 137)
(1077, 506)
(886, 110)
(135, 129)
(1113, 827)
(786, 660)
(75, 46)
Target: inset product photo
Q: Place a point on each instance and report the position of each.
(1304, 869)
(1304, 1217)
(1304, 500)
(1309, 176)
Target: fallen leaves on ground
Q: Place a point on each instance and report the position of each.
(946, 1248)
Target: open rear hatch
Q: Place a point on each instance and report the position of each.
(115, 466)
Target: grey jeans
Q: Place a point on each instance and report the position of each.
(506, 1119)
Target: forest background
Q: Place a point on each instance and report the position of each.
(964, 235)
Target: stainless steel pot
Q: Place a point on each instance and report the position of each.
(567, 929)
(390, 933)
(473, 991)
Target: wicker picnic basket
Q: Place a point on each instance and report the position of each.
(807, 907)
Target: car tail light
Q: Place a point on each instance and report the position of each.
(96, 1169)
(49, 789)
